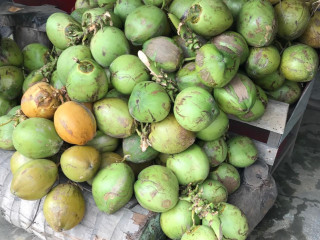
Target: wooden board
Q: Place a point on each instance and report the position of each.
(130, 223)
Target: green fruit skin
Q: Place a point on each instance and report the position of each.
(11, 80)
(293, 17)
(235, 6)
(14, 110)
(200, 232)
(299, 63)
(56, 81)
(175, 222)
(126, 72)
(87, 82)
(103, 142)
(232, 42)
(233, 222)
(106, 3)
(216, 129)
(6, 132)
(209, 18)
(216, 151)
(114, 93)
(195, 109)
(179, 8)
(10, 53)
(289, 92)
(167, 136)
(92, 16)
(124, 7)
(237, 97)
(158, 3)
(216, 68)
(189, 166)
(253, 12)
(35, 56)
(213, 191)
(228, 175)
(164, 52)
(131, 149)
(58, 27)
(64, 207)
(108, 44)
(31, 79)
(155, 24)
(241, 151)
(271, 81)
(258, 108)
(311, 36)
(5, 105)
(34, 179)
(17, 160)
(80, 163)
(262, 61)
(112, 188)
(68, 58)
(187, 76)
(157, 189)
(78, 13)
(149, 102)
(36, 138)
(85, 4)
(113, 117)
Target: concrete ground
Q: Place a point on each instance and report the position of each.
(296, 213)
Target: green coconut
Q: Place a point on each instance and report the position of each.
(215, 150)
(36, 138)
(133, 152)
(187, 76)
(69, 57)
(270, 81)
(112, 188)
(85, 4)
(103, 142)
(179, 8)
(241, 151)
(126, 72)
(216, 67)
(157, 189)
(86, 81)
(155, 24)
(17, 160)
(257, 22)
(124, 7)
(149, 102)
(209, 18)
(189, 166)
(113, 117)
(289, 92)
(32, 78)
(216, 129)
(34, 179)
(63, 30)
(200, 232)
(262, 61)
(213, 191)
(64, 207)
(235, 6)
(228, 175)
(5, 105)
(166, 54)
(311, 36)
(195, 109)
(299, 63)
(232, 42)
(238, 96)
(7, 125)
(178, 220)
(35, 56)
(10, 53)
(55, 81)
(11, 80)
(293, 17)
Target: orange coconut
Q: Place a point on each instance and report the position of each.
(40, 100)
(74, 123)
